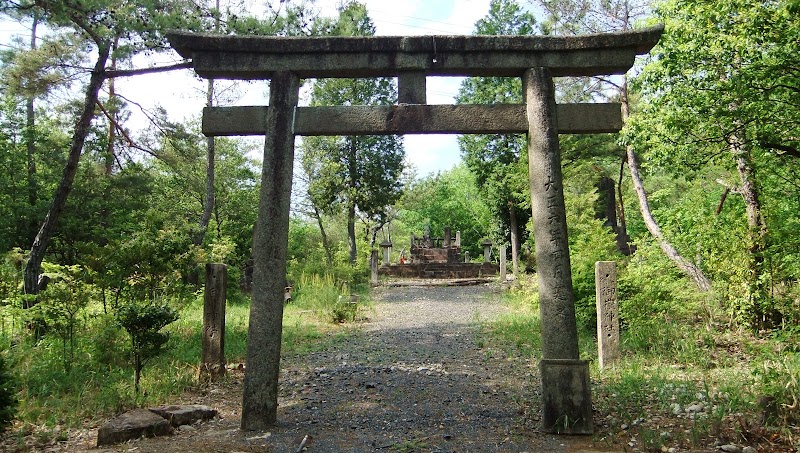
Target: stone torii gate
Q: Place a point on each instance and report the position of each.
(285, 60)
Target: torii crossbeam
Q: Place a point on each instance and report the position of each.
(566, 396)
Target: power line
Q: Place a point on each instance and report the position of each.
(416, 18)
(420, 27)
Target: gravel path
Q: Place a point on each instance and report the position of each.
(413, 379)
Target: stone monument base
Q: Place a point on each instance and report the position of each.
(566, 396)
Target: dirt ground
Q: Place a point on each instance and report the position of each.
(412, 379)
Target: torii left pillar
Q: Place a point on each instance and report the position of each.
(270, 244)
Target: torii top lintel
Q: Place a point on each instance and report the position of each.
(258, 57)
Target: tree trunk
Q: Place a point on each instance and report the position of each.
(30, 143)
(760, 317)
(137, 372)
(352, 171)
(42, 240)
(208, 205)
(325, 244)
(112, 123)
(513, 225)
(623, 240)
(211, 147)
(351, 231)
(689, 268)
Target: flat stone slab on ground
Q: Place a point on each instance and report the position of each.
(185, 414)
(132, 425)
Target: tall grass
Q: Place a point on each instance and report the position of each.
(329, 299)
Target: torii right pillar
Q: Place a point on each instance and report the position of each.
(566, 393)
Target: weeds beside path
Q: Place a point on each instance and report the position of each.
(412, 378)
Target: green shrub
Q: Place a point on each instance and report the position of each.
(60, 307)
(108, 342)
(144, 322)
(8, 397)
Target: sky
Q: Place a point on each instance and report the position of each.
(183, 95)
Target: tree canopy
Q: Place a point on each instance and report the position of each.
(359, 174)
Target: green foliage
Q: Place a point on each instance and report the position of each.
(305, 253)
(328, 299)
(450, 198)
(61, 304)
(520, 331)
(499, 162)
(653, 293)
(720, 104)
(589, 240)
(779, 382)
(144, 322)
(8, 396)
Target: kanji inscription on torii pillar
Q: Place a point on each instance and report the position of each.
(536, 59)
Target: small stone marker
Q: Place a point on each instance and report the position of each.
(213, 359)
(132, 425)
(502, 263)
(466, 256)
(373, 265)
(605, 275)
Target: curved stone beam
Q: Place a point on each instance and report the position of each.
(258, 57)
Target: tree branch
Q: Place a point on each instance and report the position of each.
(787, 150)
(156, 69)
(722, 201)
(124, 133)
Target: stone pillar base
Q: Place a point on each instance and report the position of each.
(566, 396)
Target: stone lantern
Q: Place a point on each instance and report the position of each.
(386, 245)
(487, 250)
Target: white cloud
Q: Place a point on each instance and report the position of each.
(432, 153)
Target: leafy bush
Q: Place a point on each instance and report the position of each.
(144, 322)
(8, 397)
(61, 305)
(652, 290)
(107, 342)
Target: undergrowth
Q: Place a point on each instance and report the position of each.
(98, 383)
(747, 386)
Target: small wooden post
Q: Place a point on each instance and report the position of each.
(213, 356)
